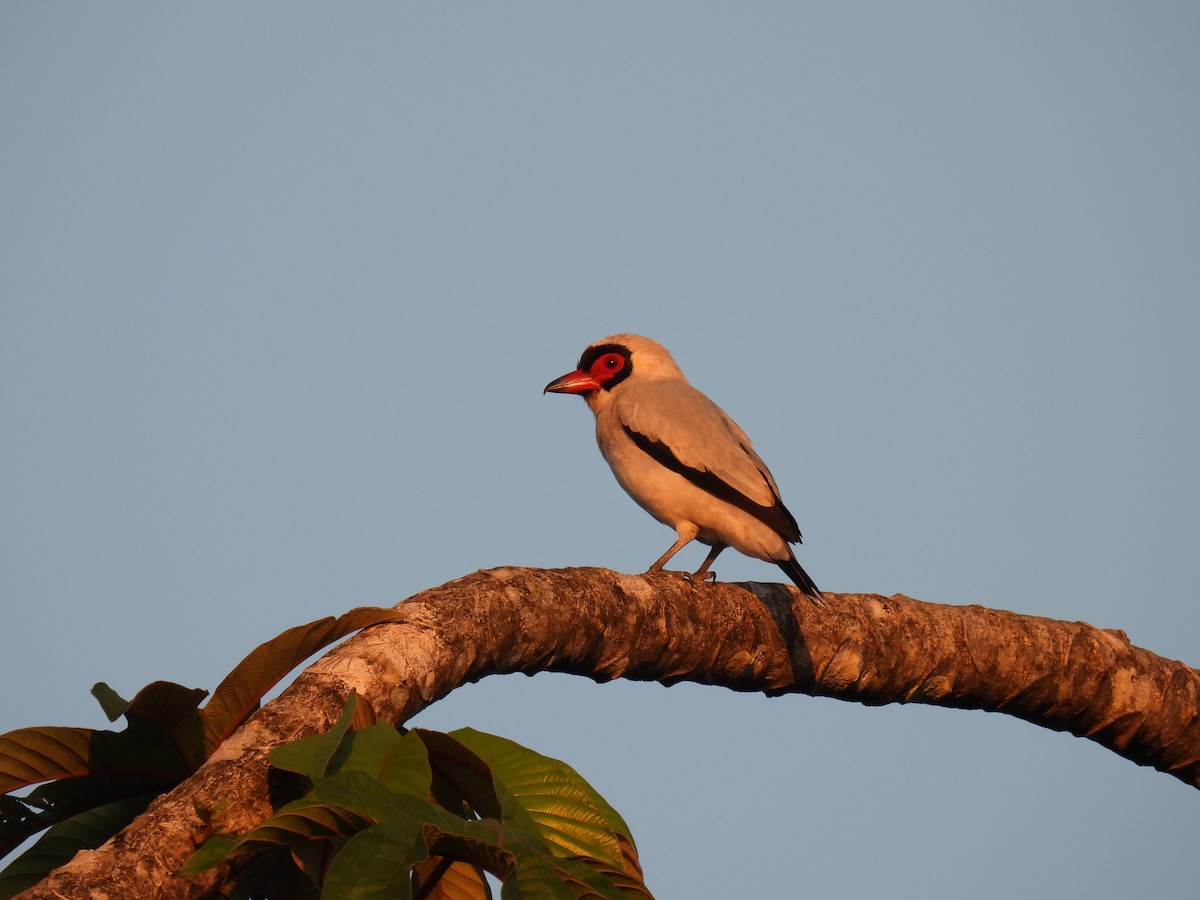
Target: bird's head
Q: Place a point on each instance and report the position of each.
(612, 361)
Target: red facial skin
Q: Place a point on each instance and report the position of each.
(580, 382)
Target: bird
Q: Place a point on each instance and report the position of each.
(681, 458)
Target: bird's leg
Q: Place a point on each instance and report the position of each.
(702, 573)
(687, 533)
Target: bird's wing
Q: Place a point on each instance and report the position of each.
(689, 434)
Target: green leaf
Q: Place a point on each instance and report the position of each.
(336, 807)
(485, 843)
(311, 860)
(460, 775)
(239, 694)
(360, 792)
(280, 873)
(376, 864)
(18, 820)
(554, 836)
(534, 878)
(111, 702)
(58, 801)
(296, 823)
(304, 821)
(540, 796)
(569, 813)
(311, 755)
(211, 853)
(399, 763)
(629, 878)
(415, 828)
(628, 885)
(59, 845)
(586, 879)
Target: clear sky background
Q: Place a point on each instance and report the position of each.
(280, 286)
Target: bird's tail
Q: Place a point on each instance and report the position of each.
(800, 578)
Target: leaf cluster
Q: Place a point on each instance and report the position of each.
(88, 784)
(422, 814)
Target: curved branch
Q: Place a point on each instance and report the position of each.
(1067, 676)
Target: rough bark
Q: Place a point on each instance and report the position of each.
(1067, 676)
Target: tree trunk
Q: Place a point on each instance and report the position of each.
(1067, 676)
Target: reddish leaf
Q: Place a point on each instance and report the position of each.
(239, 694)
(30, 755)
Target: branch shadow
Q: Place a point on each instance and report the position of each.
(778, 601)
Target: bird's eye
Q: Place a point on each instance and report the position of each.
(612, 361)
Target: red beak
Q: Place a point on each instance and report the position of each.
(572, 383)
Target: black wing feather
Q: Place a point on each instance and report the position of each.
(775, 517)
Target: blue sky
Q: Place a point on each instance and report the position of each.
(282, 284)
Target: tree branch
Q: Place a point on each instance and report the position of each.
(1067, 676)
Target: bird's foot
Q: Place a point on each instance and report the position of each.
(701, 576)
